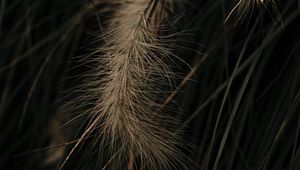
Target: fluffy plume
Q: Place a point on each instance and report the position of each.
(245, 6)
(129, 80)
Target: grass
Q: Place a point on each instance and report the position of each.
(232, 99)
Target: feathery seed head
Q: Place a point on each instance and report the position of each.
(132, 71)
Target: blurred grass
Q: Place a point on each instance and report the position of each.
(240, 110)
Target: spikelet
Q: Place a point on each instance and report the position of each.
(244, 7)
(131, 72)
